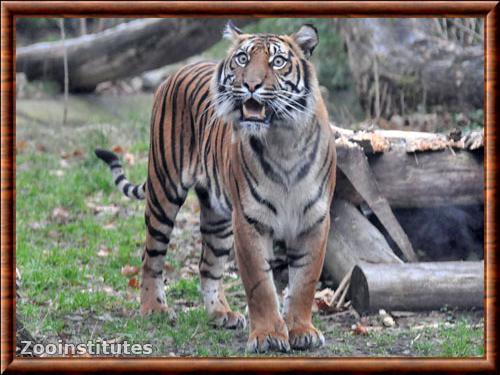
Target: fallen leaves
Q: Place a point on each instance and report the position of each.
(117, 149)
(103, 251)
(60, 215)
(133, 283)
(129, 270)
(359, 329)
(129, 158)
(102, 209)
(75, 154)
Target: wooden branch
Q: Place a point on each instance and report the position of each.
(351, 240)
(417, 286)
(354, 165)
(119, 52)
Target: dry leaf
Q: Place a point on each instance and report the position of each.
(129, 270)
(77, 153)
(103, 251)
(133, 283)
(117, 149)
(97, 208)
(60, 214)
(359, 329)
(323, 299)
(129, 158)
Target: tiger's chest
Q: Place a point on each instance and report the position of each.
(286, 192)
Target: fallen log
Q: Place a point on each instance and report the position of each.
(417, 286)
(414, 169)
(119, 52)
(353, 239)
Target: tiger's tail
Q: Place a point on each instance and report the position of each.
(124, 185)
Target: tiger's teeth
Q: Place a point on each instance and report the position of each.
(263, 112)
(245, 112)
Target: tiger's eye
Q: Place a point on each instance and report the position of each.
(242, 59)
(279, 62)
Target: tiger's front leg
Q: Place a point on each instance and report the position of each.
(217, 243)
(268, 330)
(305, 262)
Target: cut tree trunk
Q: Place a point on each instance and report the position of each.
(353, 239)
(123, 51)
(414, 169)
(401, 66)
(417, 286)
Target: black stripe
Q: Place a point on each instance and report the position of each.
(245, 164)
(304, 170)
(320, 191)
(209, 275)
(161, 216)
(179, 80)
(260, 227)
(258, 149)
(155, 233)
(305, 68)
(257, 197)
(220, 222)
(119, 179)
(135, 191)
(205, 230)
(203, 195)
(154, 253)
(224, 235)
(218, 252)
(163, 171)
(126, 188)
(314, 225)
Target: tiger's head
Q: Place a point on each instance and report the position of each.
(266, 80)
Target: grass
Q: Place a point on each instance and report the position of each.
(70, 292)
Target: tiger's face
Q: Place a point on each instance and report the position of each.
(266, 80)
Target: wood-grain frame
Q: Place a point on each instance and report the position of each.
(12, 9)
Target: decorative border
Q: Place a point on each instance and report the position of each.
(235, 9)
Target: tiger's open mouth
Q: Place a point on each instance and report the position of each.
(254, 112)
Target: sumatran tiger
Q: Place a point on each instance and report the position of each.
(251, 136)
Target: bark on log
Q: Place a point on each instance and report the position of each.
(417, 286)
(353, 239)
(450, 174)
(123, 51)
(399, 66)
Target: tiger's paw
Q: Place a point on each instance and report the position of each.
(228, 319)
(306, 337)
(262, 340)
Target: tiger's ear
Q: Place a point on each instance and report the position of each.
(307, 38)
(231, 32)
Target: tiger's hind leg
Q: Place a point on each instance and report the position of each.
(160, 220)
(217, 243)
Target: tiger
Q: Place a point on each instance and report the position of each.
(251, 135)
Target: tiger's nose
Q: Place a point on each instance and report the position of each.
(252, 85)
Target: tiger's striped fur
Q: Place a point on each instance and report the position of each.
(251, 136)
